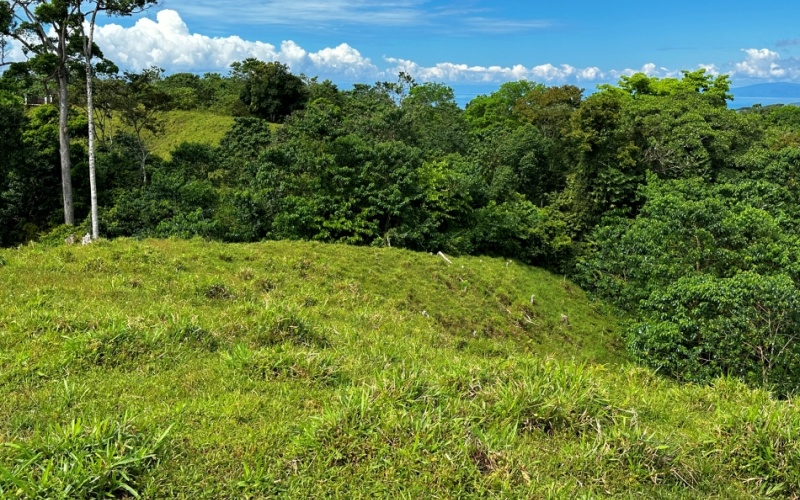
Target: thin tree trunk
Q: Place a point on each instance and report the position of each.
(92, 163)
(63, 138)
(89, 41)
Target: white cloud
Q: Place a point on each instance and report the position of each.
(344, 59)
(13, 52)
(462, 73)
(167, 42)
(765, 63)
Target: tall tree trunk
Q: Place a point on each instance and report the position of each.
(87, 52)
(92, 163)
(63, 138)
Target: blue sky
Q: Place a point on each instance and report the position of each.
(472, 43)
(609, 35)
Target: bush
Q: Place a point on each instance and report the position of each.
(745, 326)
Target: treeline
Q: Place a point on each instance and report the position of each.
(652, 193)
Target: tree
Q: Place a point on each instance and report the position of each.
(114, 8)
(269, 90)
(710, 273)
(30, 183)
(138, 100)
(497, 109)
(713, 89)
(437, 122)
(46, 31)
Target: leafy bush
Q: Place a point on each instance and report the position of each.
(744, 326)
(712, 280)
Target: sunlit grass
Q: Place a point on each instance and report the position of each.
(308, 370)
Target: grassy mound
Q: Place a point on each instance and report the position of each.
(203, 370)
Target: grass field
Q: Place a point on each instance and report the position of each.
(193, 369)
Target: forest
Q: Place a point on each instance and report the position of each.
(651, 193)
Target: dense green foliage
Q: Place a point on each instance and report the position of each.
(195, 369)
(269, 90)
(652, 193)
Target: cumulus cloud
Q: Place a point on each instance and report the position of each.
(765, 63)
(463, 73)
(167, 42)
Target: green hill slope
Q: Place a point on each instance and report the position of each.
(180, 126)
(189, 126)
(201, 370)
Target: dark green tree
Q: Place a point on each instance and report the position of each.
(47, 31)
(269, 90)
(138, 100)
(437, 123)
(710, 271)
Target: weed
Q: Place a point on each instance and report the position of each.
(246, 274)
(217, 291)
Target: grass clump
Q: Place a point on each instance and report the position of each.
(285, 362)
(549, 398)
(103, 459)
(109, 348)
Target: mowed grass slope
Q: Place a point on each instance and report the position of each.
(192, 369)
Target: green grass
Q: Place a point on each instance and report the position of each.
(180, 126)
(189, 126)
(192, 369)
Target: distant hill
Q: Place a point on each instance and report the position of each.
(771, 90)
(766, 94)
(193, 126)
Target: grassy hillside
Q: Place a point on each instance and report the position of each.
(201, 370)
(181, 126)
(192, 126)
